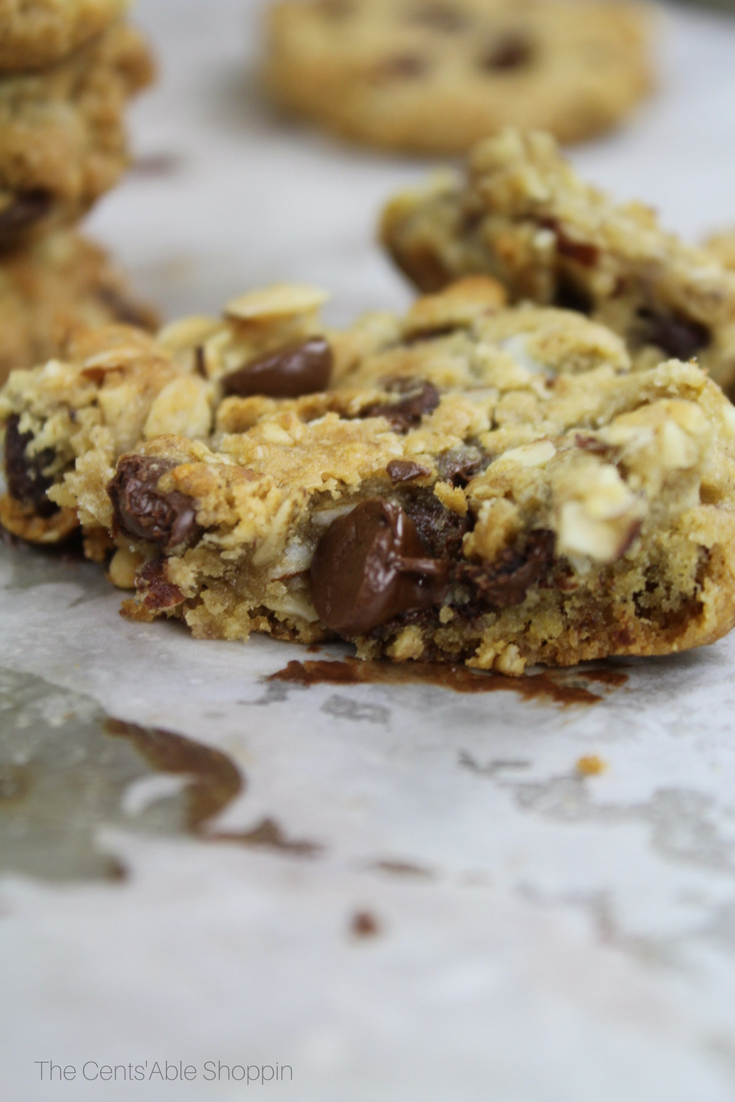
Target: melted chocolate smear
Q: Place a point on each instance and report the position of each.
(142, 512)
(28, 208)
(557, 687)
(513, 51)
(268, 834)
(676, 335)
(364, 924)
(300, 367)
(65, 768)
(24, 473)
(370, 566)
(418, 398)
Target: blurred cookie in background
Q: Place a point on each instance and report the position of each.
(38, 34)
(51, 289)
(63, 141)
(435, 76)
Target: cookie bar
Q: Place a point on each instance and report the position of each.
(524, 216)
(478, 484)
(450, 539)
(438, 75)
(58, 284)
(62, 134)
(35, 36)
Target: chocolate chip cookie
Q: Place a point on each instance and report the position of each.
(62, 134)
(477, 484)
(523, 215)
(35, 36)
(58, 284)
(436, 76)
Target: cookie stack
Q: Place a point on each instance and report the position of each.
(67, 70)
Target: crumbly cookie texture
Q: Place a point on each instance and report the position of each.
(524, 216)
(55, 286)
(62, 133)
(439, 75)
(110, 388)
(36, 35)
(478, 484)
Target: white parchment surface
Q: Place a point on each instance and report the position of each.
(542, 936)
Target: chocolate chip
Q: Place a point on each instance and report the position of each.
(418, 398)
(143, 512)
(675, 335)
(28, 208)
(371, 566)
(511, 51)
(364, 924)
(459, 465)
(403, 470)
(301, 367)
(440, 530)
(582, 252)
(24, 474)
(506, 582)
(403, 67)
(439, 17)
(570, 296)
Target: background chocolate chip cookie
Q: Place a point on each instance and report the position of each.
(437, 75)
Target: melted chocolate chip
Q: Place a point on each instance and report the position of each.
(301, 367)
(28, 208)
(403, 67)
(439, 17)
(506, 583)
(440, 530)
(513, 51)
(24, 474)
(142, 512)
(459, 465)
(675, 335)
(371, 566)
(418, 398)
(403, 470)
